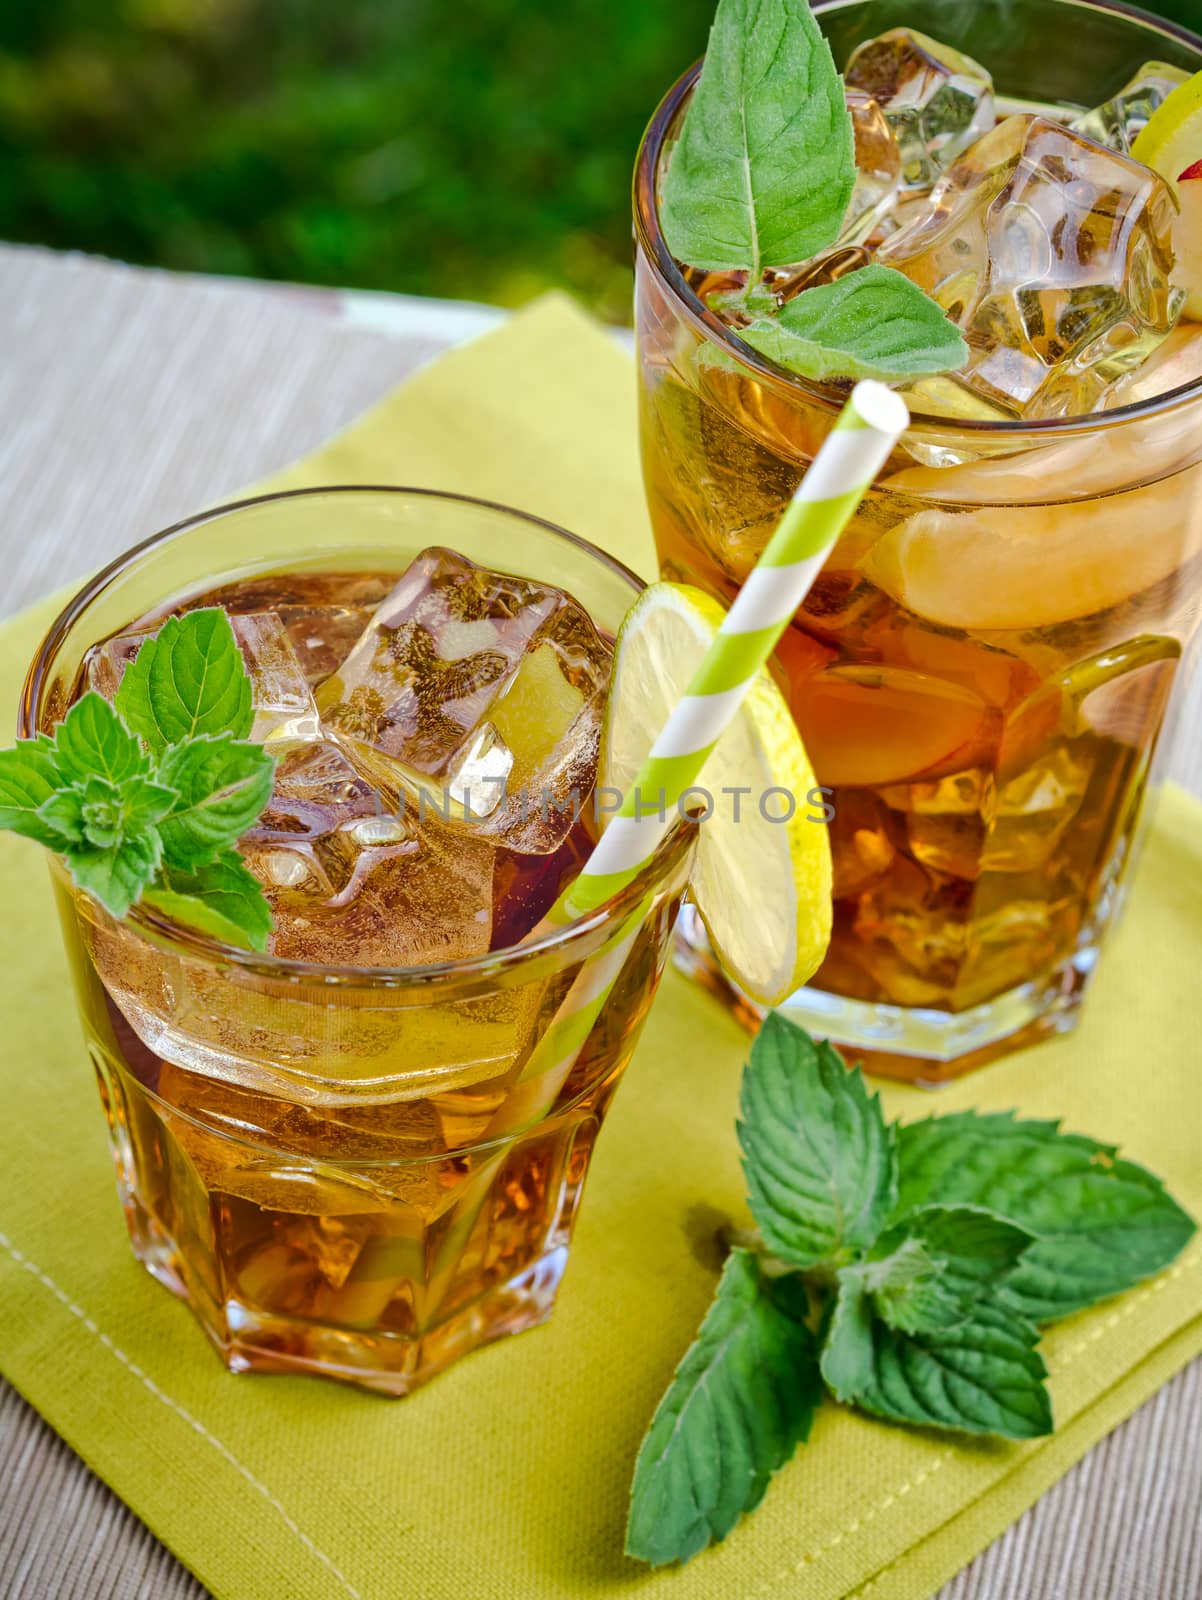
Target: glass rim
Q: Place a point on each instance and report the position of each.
(761, 369)
(492, 963)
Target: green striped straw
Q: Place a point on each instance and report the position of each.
(842, 471)
(850, 458)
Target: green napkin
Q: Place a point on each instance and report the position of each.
(508, 1476)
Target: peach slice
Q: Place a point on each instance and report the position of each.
(869, 725)
(1008, 567)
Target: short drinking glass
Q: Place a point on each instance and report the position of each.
(330, 1163)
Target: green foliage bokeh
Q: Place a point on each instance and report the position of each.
(481, 150)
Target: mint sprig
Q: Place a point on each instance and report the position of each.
(144, 799)
(761, 177)
(928, 1272)
(903, 1267)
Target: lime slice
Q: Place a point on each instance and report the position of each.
(763, 887)
(1171, 144)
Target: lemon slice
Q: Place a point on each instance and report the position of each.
(1171, 139)
(1171, 144)
(763, 887)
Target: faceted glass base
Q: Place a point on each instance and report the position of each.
(251, 1340)
(919, 1045)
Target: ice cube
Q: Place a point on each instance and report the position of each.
(1118, 120)
(936, 100)
(323, 636)
(878, 167)
(913, 928)
(481, 690)
(315, 788)
(862, 849)
(209, 1118)
(285, 711)
(351, 852)
(1020, 926)
(419, 898)
(1034, 809)
(1053, 254)
(946, 820)
(280, 864)
(352, 883)
(107, 662)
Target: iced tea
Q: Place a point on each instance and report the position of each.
(983, 670)
(321, 1149)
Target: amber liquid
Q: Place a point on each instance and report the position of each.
(323, 615)
(972, 832)
(304, 1165)
(987, 780)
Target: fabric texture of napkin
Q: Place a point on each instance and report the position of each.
(508, 1476)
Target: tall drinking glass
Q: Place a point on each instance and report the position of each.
(987, 668)
(330, 1163)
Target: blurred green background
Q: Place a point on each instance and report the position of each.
(480, 149)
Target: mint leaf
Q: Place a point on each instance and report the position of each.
(764, 168)
(188, 679)
(846, 1356)
(1100, 1223)
(101, 813)
(29, 776)
(222, 784)
(222, 899)
(928, 1272)
(819, 1160)
(118, 874)
(982, 1376)
(742, 1400)
(92, 741)
(873, 323)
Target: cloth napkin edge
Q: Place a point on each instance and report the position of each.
(1008, 1498)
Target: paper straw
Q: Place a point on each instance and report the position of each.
(841, 473)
